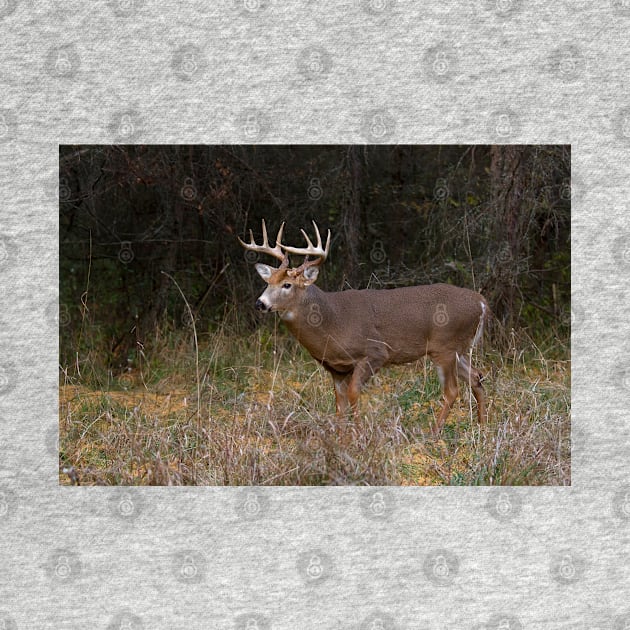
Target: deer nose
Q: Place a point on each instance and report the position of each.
(260, 305)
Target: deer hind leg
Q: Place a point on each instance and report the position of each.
(473, 377)
(447, 372)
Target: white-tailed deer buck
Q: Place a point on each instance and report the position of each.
(355, 333)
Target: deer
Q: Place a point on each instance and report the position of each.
(354, 333)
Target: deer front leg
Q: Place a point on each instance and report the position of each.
(348, 385)
(363, 371)
(341, 382)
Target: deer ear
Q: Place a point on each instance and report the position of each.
(310, 275)
(264, 271)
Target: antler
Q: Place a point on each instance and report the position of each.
(312, 250)
(265, 248)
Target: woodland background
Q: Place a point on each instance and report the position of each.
(153, 284)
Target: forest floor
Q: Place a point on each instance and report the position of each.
(260, 411)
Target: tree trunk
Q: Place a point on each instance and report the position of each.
(508, 182)
(352, 218)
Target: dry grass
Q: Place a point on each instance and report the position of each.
(265, 416)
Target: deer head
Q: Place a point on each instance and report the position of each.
(286, 285)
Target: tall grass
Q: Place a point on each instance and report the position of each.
(265, 415)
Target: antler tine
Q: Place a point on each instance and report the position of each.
(311, 250)
(327, 249)
(265, 248)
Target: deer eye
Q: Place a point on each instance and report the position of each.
(286, 285)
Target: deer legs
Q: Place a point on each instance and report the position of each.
(473, 377)
(341, 391)
(449, 368)
(348, 386)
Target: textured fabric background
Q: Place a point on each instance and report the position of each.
(303, 72)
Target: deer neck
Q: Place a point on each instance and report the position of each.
(307, 320)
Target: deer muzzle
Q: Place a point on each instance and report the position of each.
(261, 306)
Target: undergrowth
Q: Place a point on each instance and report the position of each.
(265, 416)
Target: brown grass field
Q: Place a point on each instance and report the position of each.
(257, 410)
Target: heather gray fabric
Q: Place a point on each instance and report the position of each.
(354, 72)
